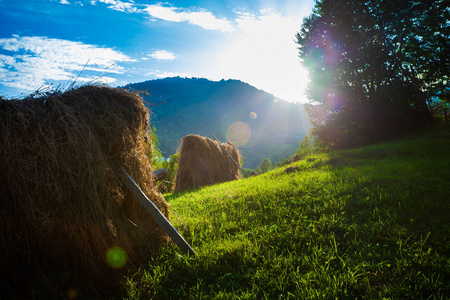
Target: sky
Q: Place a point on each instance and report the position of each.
(56, 42)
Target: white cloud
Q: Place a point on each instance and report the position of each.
(202, 17)
(117, 5)
(36, 60)
(6, 60)
(165, 74)
(102, 79)
(171, 74)
(162, 55)
(164, 13)
(64, 2)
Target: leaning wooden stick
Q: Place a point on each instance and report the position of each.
(157, 215)
(223, 148)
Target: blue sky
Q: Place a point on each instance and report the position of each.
(119, 42)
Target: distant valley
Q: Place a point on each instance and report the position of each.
(257, 122)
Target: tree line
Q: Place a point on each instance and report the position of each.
(376, 67)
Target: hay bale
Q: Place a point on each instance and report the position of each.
(203, 162)
(291, 170)
(295, 158)
(62, 203)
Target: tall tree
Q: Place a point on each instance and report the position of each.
(266, 164)
(374, 66)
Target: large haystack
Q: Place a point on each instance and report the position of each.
(62, 204)
(203, 162)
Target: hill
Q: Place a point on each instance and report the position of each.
(257, 122)
(368, 223)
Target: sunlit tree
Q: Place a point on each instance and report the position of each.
(374, 65)
(266, 164)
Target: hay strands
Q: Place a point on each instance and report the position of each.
(157, 215)
(237, 165)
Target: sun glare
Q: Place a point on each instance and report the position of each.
(263, 53)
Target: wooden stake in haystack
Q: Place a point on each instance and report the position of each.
(157, 215)
(229, 155)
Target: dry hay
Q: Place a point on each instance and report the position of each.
(203, 162)
(295, 158)
(291, 170)
(62, 204)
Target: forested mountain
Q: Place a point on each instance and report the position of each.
(257, 122)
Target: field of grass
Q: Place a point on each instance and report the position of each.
(369, 223)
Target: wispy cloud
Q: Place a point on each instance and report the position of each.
(201, 17)
(35, 60)
(117, 5)
(164, 74)
(162, 55)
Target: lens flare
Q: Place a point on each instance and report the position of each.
(239, 133)
(253, 115)
(116, 257)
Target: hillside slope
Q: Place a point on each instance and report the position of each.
(264, 126)
(368, 223)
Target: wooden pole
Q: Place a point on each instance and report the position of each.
(157, 215)
(223, 148)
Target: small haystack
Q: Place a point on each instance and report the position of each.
(62, 205)
(295, 158)
(291, 169)
(203, 162)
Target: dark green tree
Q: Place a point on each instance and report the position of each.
(374, 66)
(248, 172)
(266, 164)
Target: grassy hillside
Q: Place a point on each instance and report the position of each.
(368, 223)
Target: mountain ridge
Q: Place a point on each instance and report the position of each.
(260, 124)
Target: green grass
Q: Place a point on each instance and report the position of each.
(369, 223)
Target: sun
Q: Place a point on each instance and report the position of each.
(262, 52)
